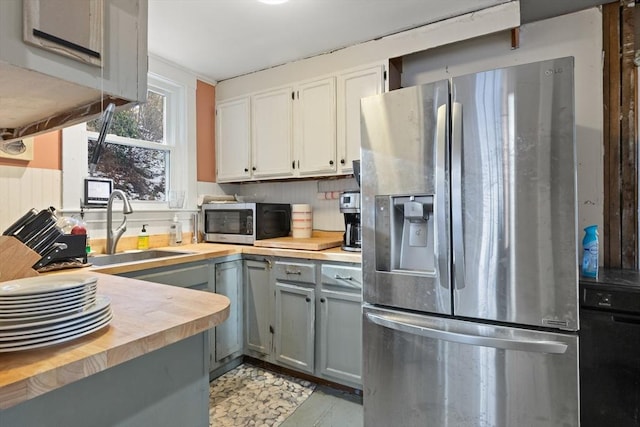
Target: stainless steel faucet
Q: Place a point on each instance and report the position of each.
(114, 235)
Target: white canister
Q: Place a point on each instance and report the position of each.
(301, 220)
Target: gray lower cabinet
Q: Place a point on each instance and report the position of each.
(340, 324)
(303, 315)
(195, 275)
(223, 276)
(228, 335)
(295, 326)
(258, 308)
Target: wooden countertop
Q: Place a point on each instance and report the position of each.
(204, 251)
(146, 317)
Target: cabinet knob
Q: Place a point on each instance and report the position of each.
(246, 169)
(342, 161)
(253, 168)
(331, 162)
(322, 300)
(307, 299)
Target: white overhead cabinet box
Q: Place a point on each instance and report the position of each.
(305, 129)
(62, 61)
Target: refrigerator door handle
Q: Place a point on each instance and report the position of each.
(441, 247)
(389, 322)
(456, 195)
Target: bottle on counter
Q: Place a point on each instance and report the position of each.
(175, 232)
(143, 238)
(590, 252)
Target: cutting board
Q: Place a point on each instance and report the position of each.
(318, 241)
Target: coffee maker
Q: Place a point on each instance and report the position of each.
(350, 207)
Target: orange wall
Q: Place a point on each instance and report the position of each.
(205, 131)
(47, 153)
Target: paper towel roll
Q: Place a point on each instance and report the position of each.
(301, 220)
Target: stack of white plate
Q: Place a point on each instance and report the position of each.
(45, 310)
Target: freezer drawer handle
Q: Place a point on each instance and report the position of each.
(552, 347)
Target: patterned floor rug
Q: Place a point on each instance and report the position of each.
(251, 396)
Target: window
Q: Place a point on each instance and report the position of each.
(139, 146)
(149, 151)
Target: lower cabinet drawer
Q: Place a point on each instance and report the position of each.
(295, 272)
(342, 276)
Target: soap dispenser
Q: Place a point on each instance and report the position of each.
(175, 232)
(143, 238)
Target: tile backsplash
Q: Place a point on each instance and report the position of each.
(322, 195)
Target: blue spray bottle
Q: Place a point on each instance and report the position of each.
(590, 252)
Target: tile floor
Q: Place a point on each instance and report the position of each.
(252, 396)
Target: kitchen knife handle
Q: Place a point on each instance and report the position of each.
(527, 345)
(457, 233)
(21, 222)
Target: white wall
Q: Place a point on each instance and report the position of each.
(23, 188)
(578, 35)
(486, 21)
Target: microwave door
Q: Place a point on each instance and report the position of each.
(272, 222)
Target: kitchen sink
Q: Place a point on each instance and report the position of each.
(102, 260)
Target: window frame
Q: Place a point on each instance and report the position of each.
(75, 148)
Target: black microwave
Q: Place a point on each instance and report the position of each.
(245, 223)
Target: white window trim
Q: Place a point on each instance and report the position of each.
(75, 151)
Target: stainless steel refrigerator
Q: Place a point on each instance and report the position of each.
(469, 251)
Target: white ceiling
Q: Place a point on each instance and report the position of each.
(220, 39)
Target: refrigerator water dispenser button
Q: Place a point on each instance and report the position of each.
(418, 233)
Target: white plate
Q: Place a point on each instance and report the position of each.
(101, 302)
(29, 316)
(84, 297)
(46, 298)
(23, 334)
(68, 336)
(44, 284)
(54, 333)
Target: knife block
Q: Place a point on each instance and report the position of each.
(16, 259)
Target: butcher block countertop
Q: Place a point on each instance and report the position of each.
(319, 240)
(146, 317)
(204, 251)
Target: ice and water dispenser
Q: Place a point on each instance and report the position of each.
(409, 245)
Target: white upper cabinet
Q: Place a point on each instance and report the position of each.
(353, 86)
(305, 129)
(62, 61)
(233, 140)
(271, 130)
(315, 127)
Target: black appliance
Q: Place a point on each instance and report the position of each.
(244, 223)
(610, 349)
(350, 208)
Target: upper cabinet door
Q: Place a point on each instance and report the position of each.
(316, 127)
(67, 27)
(352, 87)
(271, 121)
(233, 140)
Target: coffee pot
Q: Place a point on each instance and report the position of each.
(350, 208)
